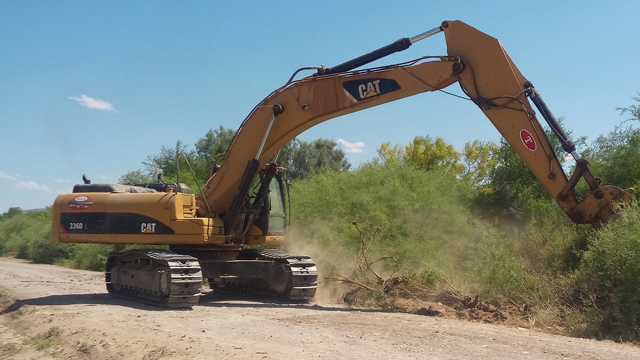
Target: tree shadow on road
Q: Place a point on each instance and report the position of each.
(75, 299)
(209, 299)
(220, 299)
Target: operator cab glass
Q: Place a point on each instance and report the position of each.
(278, 211)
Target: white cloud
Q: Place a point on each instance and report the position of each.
(32, 185)
(7, 176)
(61, 180)
(92, 103)
(356, 147)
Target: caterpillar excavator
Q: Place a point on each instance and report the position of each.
(244, 200)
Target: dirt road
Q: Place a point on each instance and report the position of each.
(50, 312)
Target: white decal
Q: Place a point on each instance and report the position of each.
(148, 228)
(76, 226)
(369, 89)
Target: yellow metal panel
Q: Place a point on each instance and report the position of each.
(155, 205)
(146, 239)
(165, 208)
(75, 203)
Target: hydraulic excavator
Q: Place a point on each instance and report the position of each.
(244, 200)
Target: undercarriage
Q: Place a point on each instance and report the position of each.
(173, 278)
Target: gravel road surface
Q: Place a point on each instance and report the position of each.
(50, 312)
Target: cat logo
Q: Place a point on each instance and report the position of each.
(372, 88)
(148, 228)
(358, 90)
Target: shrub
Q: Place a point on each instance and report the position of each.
(28, 236)
(501, 273)
(90, 256)
(424, 216)
(44, 251)
(609, 278)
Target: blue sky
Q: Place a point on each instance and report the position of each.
(94, 87)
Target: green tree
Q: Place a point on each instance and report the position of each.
(177, 163)
(134, 177)
(166, 159)
(13, 211)
(390, 154)
(429, 154)
(302, 159)
(614, 157)
(633, 110)
(511, 184)
(424, 153)
(479, 160)
(214, 144)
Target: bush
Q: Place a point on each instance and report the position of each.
(44, 251)
(428, 226)
(550, 243)
(424, 217)
(90, 256)
(501, 273)
(609, 278)
(28, 236)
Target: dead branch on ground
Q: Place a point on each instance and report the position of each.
(371, 280)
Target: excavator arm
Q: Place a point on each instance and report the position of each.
(475, 60)
(495, 84)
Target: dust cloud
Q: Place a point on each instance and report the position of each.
(330, 260)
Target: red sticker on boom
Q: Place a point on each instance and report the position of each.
(528, 140)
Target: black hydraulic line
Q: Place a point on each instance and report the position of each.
(319, 68)
(247, 178)
(261, 196)
(288, 213)
(567, 144)
(396, 46)
(238, 201)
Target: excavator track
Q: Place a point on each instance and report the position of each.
(304, 274)
(289, 277)
(155, 277)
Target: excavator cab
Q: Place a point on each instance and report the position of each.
(273, 214)
(278, 213)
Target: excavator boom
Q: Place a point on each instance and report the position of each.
(477, 61)
(311, 101)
